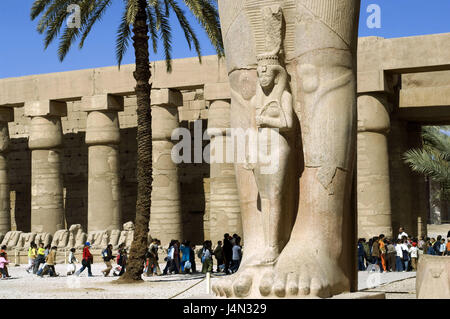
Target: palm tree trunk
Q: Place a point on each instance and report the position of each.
(144, 147)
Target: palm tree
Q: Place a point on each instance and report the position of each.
(433, 160)
(144, 16)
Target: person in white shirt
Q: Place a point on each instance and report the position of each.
(399, 257)
(237, 255)
(405, 251)
(402, 233)
(414, 253)
(71, 262)
(442, 248)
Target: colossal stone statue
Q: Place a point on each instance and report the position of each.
(314, 42)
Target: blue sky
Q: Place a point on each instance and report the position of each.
(22, 51)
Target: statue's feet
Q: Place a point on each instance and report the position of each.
(303, 272)
(241, 283)
(270, 255)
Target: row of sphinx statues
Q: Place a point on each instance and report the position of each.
(74, 237)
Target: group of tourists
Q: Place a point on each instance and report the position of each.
(398, 254)
(181, 257)
(42, 260)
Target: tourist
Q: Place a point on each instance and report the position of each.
(107, 255)
(361, 253)
(169, 259)
(376, 260)
(185, 254)
(3, 265)
(192, 258)
(152, 259)
(40, 259)
(236, 256)
(176, 256)
(71, 260)
(206, 257)
(391, 254)
(437, 245)
(32, 255)
(382, 247)
(50, 261)
(447, 247)
(399, 256)
(227, 252)
(218, 253)
(86, 261)
(367, 259)
(402, 233)
(442, 247)
(430, 250)
(405, 252)
(122, 258)
(414, 253)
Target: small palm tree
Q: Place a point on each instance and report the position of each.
(143, 16)
(433, 160)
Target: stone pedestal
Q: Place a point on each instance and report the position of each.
(224, 216)
(374, 201)
(47, 203)
(6, 115)
(433, 277)
(103, 137)
(165, 214)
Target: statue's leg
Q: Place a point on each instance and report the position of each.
(317, 259)
(244, 81)
(275, 191)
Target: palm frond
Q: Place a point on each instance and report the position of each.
(207, 15)
(163, 26)
(189, 33)
(123, 36)
(431, 164)
(152, 27)
(94, 17)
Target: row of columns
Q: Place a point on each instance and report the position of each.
(103, 138)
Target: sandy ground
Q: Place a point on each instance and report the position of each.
(24, 285)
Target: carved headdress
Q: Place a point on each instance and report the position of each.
(273, 21)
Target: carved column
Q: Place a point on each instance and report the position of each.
(6, 115)
(373, 183)
(225, 213)
(165, 218)
(45, 140)
(103, 137)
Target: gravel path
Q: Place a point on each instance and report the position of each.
(24, 285)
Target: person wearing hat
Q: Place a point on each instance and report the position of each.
(86, 261)
(414, 253)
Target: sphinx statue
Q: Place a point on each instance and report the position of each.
(11, 238)
(77, 237)
(60, 238)
(291, 66)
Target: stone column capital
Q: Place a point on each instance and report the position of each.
(102, 102)
(217, 91)
(374, 113)
(166, 98)
(45, 108)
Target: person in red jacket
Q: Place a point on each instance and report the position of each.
(86, 261)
